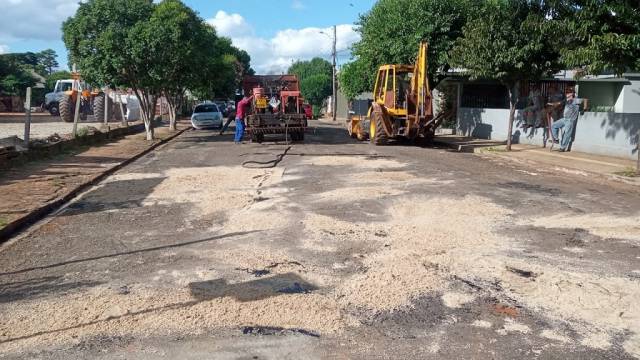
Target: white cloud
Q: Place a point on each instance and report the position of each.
(34, 19)
(297, 5)
(231, 25)
(276, 54)
(4, 49)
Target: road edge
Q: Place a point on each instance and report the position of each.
(35, 215)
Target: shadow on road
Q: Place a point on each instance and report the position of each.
(252, 290)
(43, 286)
(156, 248)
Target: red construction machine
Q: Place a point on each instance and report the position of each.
(277, 107)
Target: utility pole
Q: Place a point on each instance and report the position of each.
(334, 97)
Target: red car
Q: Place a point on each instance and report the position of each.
(308, 111)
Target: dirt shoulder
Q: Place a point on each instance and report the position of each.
(30, 187)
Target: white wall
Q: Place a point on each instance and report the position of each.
(631, 98)
(605, 133)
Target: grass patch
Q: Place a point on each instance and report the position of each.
(3, 222)
(82, 132)
(628, 172)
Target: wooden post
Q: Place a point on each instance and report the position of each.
(76, 115)
(638, 151)
(124, 118)
(27, 120)
(106, 108)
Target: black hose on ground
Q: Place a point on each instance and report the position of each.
(266, 164)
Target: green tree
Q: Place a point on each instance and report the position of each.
(15, 76)
(305, 69)
(47, 59)
(353, 79)
(392, 31)
(315, 80)
(316, 88)
(507, 42)
(599, 35)
(184, 39)
(113, 43)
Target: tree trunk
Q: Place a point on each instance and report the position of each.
(513, 100)
(172, 118)
(148, 107)
(172, 114)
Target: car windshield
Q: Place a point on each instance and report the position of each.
(206, 108)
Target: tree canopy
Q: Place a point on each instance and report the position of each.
(15, 74)
(47, 59)
(392, 31)
(315, 78)
(598, 35)
(154, 49)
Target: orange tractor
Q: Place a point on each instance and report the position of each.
(92, 100)
(278, 107)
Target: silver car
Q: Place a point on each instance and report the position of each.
(206, 115)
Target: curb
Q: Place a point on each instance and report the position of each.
(38, 214)
(603, 176)
(463, 148)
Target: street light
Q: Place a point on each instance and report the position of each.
(333, 55)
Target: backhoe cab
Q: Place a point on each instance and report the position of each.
(401, 107)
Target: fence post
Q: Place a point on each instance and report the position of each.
(27, 120)
(106, 108)
(638, 151)
(76, 115)
(124, 118)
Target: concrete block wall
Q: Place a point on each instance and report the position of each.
(600, 133)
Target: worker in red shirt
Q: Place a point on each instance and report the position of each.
(241, 112)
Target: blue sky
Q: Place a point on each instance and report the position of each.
(274, 33)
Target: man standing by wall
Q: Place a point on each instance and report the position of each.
(241, 113)
(568, 122)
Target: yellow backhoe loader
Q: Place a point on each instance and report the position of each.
(402, 106)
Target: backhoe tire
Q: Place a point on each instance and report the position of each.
(99, 108)
(377, 134)
(67, 108)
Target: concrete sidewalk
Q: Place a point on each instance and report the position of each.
(544, 159)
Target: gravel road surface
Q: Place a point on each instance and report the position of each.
(201, 250)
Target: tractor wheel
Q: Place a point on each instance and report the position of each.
(99, 107)
(257, 138)
(377, 135)
(67, 108)
(350, 130)
(54, 109)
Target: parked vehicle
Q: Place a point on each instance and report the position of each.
(206, 115)
(61, 101)
(308, 111)
(222, 106)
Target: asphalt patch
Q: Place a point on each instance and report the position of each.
(276, 331)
